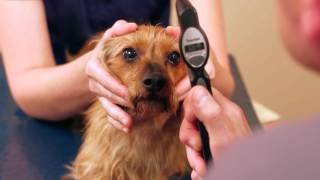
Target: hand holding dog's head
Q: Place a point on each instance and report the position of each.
(149, 64)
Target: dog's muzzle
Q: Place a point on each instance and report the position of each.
(153, 79)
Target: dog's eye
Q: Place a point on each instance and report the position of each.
(129, 54)
(173, 58)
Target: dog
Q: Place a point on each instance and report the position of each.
(148, 62)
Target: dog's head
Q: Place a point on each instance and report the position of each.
(148, 62)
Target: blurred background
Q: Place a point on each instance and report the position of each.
(271, 76)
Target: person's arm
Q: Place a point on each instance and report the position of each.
(40, 87)
(211, 20)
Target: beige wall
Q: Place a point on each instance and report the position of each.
(271, 76)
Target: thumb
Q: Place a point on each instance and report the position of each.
(206, 108)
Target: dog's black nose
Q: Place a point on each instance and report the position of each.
(154, 82)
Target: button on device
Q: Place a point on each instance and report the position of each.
(197, 61)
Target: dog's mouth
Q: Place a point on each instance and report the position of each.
(146, 103)
(153, 101)
(154, 107)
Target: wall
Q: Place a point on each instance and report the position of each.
(271, 76)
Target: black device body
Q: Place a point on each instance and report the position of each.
(194, 47)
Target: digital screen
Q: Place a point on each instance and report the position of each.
(194, 47)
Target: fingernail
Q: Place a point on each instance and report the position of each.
(124, 91)
(198, 176)
(202, 96)
(126, 130)
(124, 122)
(194, 144)
(124, 102)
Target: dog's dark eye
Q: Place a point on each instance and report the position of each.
(129, 54)
(173, 58)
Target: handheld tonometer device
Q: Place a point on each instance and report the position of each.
(194, 47)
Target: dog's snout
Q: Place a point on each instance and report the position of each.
(154, 82)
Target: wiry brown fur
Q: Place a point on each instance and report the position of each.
(152, 150)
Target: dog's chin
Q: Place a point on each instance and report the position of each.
(152, 103)
(149, 106)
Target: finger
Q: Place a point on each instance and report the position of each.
(122, 27)
(117, 124)
(97, 88)
(116, 113)
(219, 97)
(173, 31)
(205, 107)
(195, 176)
(189, 134)
(234, 113)
(182, 97)
(96, 71)
(183, 87)
(119, 28)
(230, 125)
(188, 129)
(188, 114)
(196, 161)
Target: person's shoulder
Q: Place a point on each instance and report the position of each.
(290, 152)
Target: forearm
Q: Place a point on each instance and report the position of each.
(53, 93)
(211, 20)
(223, 80)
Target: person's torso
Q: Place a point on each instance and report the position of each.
(72, 22)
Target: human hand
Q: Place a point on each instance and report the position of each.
(183, 87)
(109, 90)
(223, 119)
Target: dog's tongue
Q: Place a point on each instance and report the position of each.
(311, 20)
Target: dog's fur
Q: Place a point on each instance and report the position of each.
(152, 150)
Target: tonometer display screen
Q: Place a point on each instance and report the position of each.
(194, 47)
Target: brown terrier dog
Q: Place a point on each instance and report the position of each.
(148, 63)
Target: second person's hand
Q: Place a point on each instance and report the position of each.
(223, 119)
